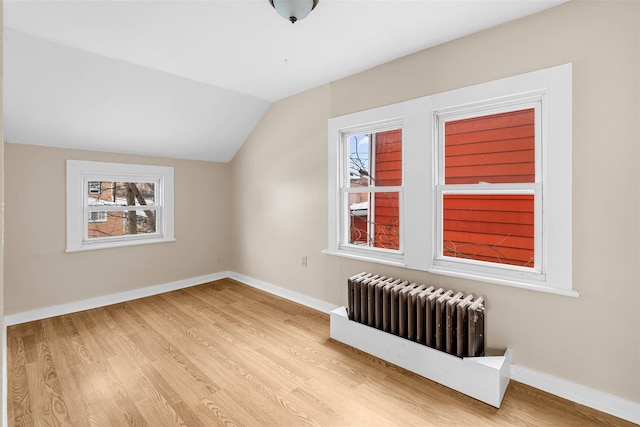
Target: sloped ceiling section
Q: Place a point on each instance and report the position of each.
(191, 79)
(63, 97)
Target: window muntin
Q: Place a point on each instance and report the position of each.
(373, 163)
(112, 204)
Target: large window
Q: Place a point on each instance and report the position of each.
(488, 185)
(112, 204)
(481, 188)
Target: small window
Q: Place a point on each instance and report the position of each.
(123, 221)
(367, 181)
(111, 204)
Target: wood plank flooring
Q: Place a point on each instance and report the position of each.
(226, 354)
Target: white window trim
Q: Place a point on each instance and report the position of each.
(397, 115)
(79, 173)
(419, 118)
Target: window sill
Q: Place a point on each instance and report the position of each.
(366, 258)
(463, 275)
(505, 282)
(118, 244)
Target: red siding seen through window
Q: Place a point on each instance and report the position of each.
(494, 228)
(493, 149)
(388, 158)
(497, 149)
(387, 223)
(388, 172)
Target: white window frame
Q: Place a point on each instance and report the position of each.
(405, 116)
(80, 173)
(346, 189)
(456, 266)
(549, 91)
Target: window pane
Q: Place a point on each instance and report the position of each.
(375, 159)
(359, 160)
(388, 158)
(374, 220)
(121, 223)
(121, 194)
(494, 228)
(498, 148)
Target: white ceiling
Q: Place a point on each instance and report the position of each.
(191, 79)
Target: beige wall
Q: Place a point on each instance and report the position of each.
(38, 272)
(280, 196)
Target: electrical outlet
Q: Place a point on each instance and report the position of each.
(304, 261)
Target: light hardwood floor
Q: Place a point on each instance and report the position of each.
(226, 354)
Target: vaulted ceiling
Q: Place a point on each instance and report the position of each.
(191, 79)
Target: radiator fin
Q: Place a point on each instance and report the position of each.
(442, 319)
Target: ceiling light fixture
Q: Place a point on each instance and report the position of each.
(294, 10)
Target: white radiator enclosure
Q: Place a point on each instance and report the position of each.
(483, 378)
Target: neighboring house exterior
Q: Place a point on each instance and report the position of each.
(116, 223)
(101, 224)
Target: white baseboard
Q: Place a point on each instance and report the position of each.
(587, 396)
(72, 307)
(302, 299)
(574, 392)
